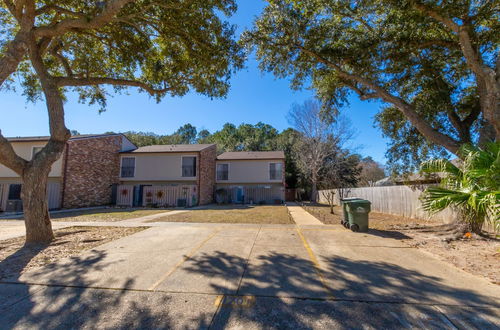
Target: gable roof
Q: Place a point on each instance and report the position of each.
(248, 155)
(46, 138)
(171, 148)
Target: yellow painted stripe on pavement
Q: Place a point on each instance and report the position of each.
(184, 259)
(315, 262)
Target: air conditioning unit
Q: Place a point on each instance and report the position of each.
(14, 205)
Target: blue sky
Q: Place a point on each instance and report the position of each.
(254, 97)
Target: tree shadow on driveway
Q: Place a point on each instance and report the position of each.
(70, 300)
(284, 291)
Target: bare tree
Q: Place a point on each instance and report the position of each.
(330, 198)
(320, 137)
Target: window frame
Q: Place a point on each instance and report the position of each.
(121, 166)
(280, 175)
(9, 192)
(33, 151)
(195, 166)
(217, 172)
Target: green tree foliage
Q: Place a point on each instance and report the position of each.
(160, 47)
(473, 187)
(433, 64)
(186, 134)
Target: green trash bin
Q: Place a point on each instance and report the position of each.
(357, 211)
(344, 202)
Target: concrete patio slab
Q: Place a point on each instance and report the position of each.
(76, 308)
(216, 267)
(286, 313)
(284, 237)
(281, 271)
(15, 228)
(101, 269)
(343, 280)
(301, 216)
(11, 294)
(400, 275)
(345, 237)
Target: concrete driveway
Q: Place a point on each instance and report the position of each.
(176, 275)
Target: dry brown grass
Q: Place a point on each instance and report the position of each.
(104, 215)
(377, 220)
(261, 214)
(15, 258)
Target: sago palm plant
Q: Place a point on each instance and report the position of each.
(472, 188)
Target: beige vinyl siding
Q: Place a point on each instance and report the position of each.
(159, 167)
(53, 192)
(25, 150)
(249, 171)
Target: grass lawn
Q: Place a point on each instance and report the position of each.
(262, 214)
(17, 258)
(107, 214)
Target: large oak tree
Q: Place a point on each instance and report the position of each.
(162, 47)
(434, 64)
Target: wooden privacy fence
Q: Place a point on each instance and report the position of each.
(125, 195)
(255, 195)
(169, 196)
(158, 195)
(53, 195)
(398, 200)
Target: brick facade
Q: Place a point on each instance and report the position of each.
(91, 167)
(206, 175)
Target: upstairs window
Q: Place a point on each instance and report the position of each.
(128, 167)
(189, 167)
(222, 171)
(34, 151)
(275, 171)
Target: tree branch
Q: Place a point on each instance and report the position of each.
(486, 77)
(111, 9)
(407, 109)
(70, 81)
(48, 8)
(9, 158)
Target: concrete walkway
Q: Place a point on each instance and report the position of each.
(222, 276)
(301, 216)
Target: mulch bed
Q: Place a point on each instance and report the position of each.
(16, 258)
(479, 255)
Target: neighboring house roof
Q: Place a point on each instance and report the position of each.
(46, 138)
(410, 179)
(171, 148)
(248, 155)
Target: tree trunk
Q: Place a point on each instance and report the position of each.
(35, 206)
(314, 192)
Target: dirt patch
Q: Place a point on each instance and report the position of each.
(479, 255)
(275, 214)
(16, 259)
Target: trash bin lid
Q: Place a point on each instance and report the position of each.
(348, 199)
(360, 202)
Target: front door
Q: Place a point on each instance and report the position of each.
(239, 195)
